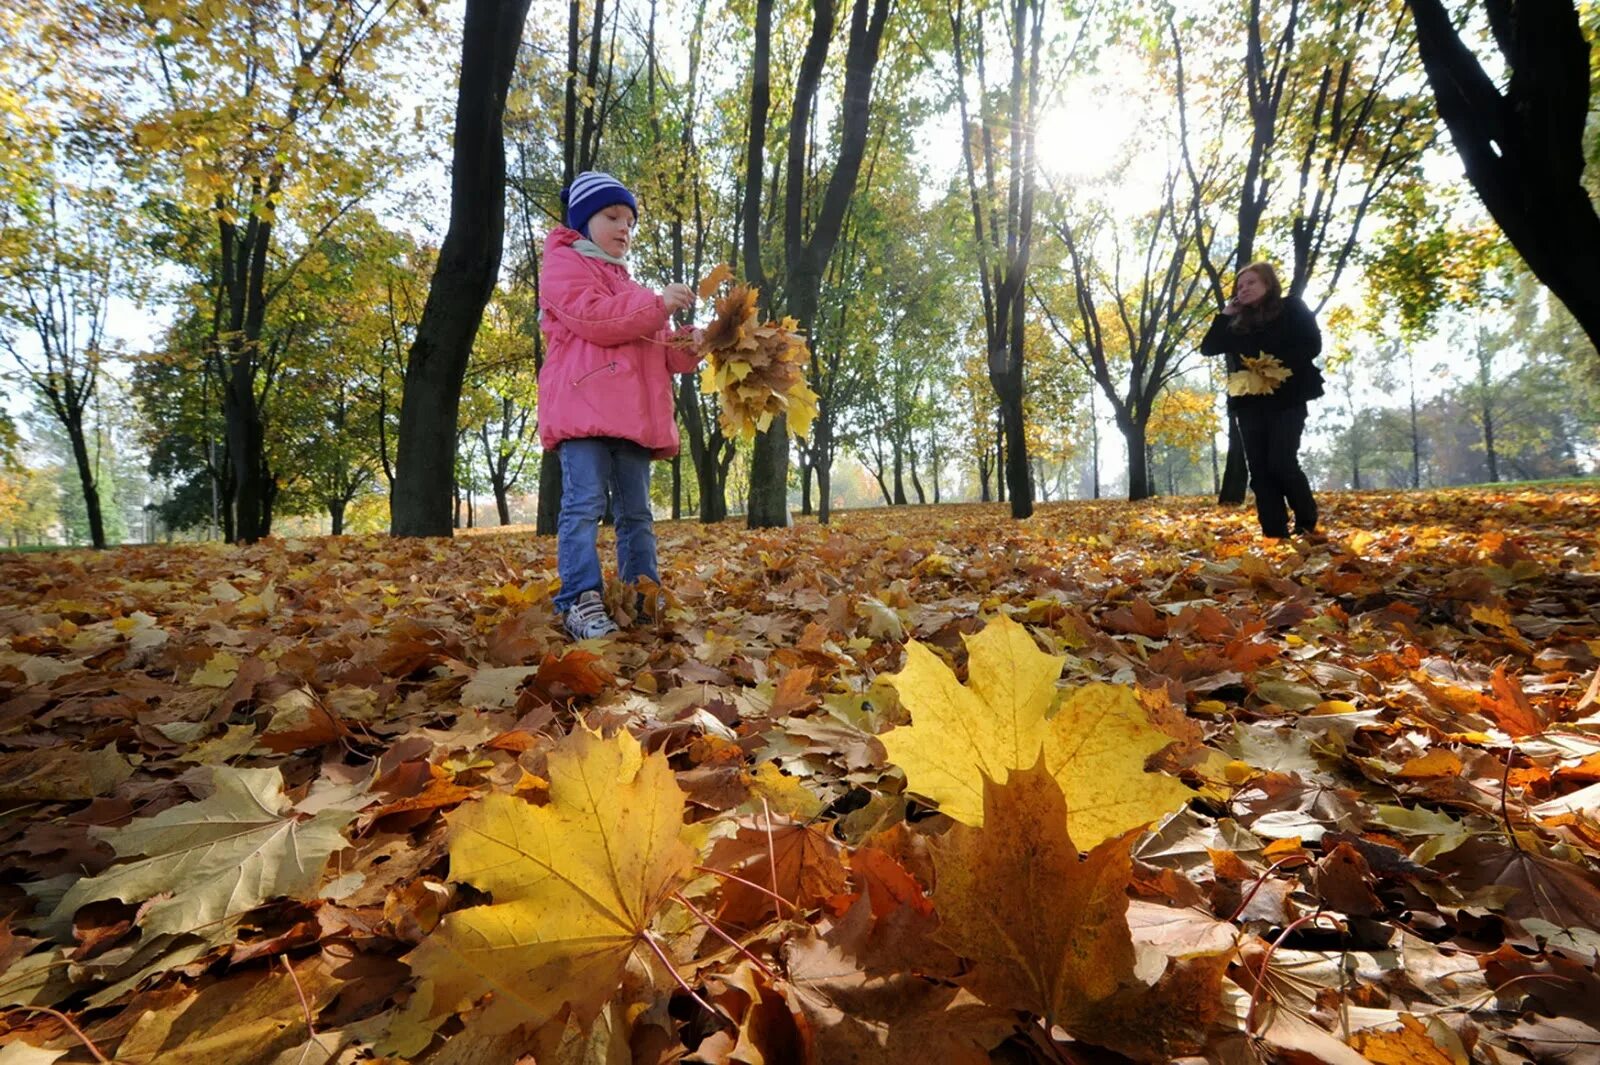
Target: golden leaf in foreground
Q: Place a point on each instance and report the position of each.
(1260, 376)
(575, 884)
(1095, 745)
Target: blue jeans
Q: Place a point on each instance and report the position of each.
(588, 467)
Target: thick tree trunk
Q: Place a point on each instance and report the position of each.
(469, 265)
(336, 516)
(1018, 476)
(806, 258)
(502, 502)
(246, 446)
(1139, 486)
(1523, 150)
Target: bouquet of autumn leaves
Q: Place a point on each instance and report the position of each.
(758, 368)
(1260, 375)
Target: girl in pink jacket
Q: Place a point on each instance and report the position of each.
(605, 392)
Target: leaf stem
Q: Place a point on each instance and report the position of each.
(749, 884)
(1505, 813)
(1262, 879)
(1266, 959)
(64, 1019)
(311, 1029)
(650, 940)
(772, 853)
(725, 937)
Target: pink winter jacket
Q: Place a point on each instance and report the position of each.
(607, 368)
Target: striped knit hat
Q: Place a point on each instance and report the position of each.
(594, 191)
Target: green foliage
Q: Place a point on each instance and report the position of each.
(1425, 262)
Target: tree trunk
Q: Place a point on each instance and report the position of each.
(1018, 479)
(469, 265)
(502, 502)
(336, 516)
(805, 484)
(1416, 439)
(1133, 431)
(1523, 150)
(1235, 475)
(549, 493)
(897, 465)
(91, 492)
(806, 257)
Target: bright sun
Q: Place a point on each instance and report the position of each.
(1096, 125)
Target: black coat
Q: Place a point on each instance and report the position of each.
(1292, 337)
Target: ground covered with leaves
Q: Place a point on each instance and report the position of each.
(1121, 782)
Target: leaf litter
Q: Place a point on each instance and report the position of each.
(1116, 783)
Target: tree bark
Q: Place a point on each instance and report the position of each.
(806, 257)
(1523, 149)
(469, 265)
(91, 491)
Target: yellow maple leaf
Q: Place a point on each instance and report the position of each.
(575, 885)
(1095, 745)
(1260, 375)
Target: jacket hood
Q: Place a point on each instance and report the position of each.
(561, 237)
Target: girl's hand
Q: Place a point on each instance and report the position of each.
(1232, 307)
(677, 297)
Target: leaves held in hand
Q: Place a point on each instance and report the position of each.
(713, 281)
(758, 369)
(1260, 375)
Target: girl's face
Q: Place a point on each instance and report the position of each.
(612, 229)
(1249, 289)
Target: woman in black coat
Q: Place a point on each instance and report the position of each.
(1259, 320)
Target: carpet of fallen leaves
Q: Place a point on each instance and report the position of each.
(322, 800)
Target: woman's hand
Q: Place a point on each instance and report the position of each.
(677, 297)
(1232, 307)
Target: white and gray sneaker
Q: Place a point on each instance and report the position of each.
(587, 618)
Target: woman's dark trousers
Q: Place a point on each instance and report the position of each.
(1272, 450)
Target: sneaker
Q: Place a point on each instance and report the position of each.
(587, 618)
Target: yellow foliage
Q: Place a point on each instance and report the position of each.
(1183, 418)
(1094, 745)
(758, 369)
(575, 885)
(1260, 376)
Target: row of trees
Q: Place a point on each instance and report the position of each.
(262, 170)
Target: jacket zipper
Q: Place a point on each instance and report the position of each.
(608, 367)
